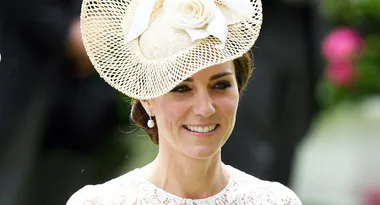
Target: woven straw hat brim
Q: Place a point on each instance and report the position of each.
(124, 67)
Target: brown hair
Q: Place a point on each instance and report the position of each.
(243, 71)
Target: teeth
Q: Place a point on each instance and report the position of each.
(201, 129)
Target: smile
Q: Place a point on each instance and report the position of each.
(202, 129)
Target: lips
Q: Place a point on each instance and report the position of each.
(201, 129)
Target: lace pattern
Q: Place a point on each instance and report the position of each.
(133, 189)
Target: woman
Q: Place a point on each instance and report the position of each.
(183, 63)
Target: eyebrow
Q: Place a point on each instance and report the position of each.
(214, 77)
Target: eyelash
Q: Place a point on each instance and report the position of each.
(222, 85)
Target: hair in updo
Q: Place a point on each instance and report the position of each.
(243, 71)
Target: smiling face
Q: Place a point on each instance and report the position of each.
(197, 117)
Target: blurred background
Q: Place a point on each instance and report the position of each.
(310, 117)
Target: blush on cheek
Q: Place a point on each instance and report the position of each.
(230, 104)
(169, 113)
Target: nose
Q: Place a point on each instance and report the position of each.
(203, 104)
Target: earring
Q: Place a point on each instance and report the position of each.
(150, 122)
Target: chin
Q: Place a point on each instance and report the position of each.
(202, 152)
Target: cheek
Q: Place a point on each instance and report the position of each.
(228, 106)
(169, 114)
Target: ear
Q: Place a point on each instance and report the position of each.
(148, 106)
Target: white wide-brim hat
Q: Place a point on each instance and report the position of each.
(144, 48)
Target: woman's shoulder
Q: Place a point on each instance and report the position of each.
(248, 187)
(110, 192)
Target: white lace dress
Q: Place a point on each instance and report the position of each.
(133, 189)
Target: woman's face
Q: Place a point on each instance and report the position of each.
(197, 117)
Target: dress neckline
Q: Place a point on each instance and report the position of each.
(220, 195)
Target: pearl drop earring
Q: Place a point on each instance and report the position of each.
(150, 121)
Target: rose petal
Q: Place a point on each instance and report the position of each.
(218, 28)
(243, 8)
(140, 21)
(197, 34)
(231, 17)
(189, 14)
(157, 5)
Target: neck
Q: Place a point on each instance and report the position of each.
(187, 177)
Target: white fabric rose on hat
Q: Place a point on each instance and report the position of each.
(189, 14)
(199, 18)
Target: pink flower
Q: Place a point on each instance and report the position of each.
(341, 73)
(372, 196)
(342, 44)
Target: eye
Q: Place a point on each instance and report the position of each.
(222, 85)
(181, 89)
